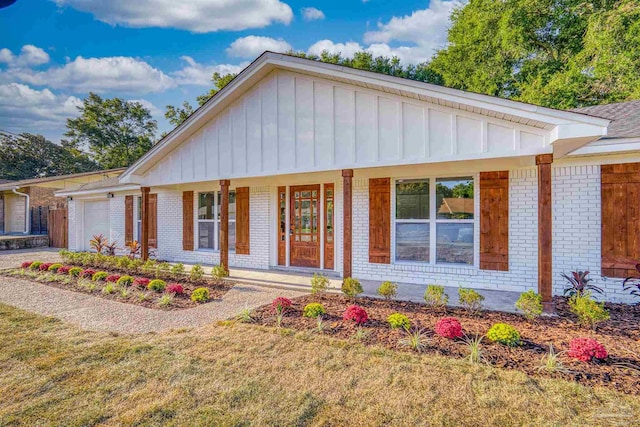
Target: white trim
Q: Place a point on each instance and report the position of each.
(96, 191)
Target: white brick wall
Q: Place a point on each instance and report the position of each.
(116, 221)
(73, 219)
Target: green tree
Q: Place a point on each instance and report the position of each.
(177, 115)
(115, 132)
(33, 156)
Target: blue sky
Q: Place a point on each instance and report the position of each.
(159, 52)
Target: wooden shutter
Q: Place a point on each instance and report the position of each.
(380, 220)
(620, 219)
(187, 220)
(242, 220)
(153, 220)
(128, 220)
(494, 221)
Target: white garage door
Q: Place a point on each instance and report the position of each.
(96, 220)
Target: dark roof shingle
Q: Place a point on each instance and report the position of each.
(624, 116)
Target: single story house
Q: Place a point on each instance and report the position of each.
(306, 166)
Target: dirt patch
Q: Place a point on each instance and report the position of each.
(620, 335)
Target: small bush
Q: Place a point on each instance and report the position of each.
(54, 267)
(415, 340)
(177, 270)
(162, 269)
(124, 263)
(100, 275)
(196, 274)
(449, 327)
(88, 273)
(504, 334)
(398, 320)
(45, 266)
(35, 265)
(64, 269)
(356, 314)
(157, 285)
(586, 349)
(388, 290)
(319, 283)
(141, 282)
(165, 300)
(245, 315)
(218, 272)
(589, 311)
(313, 310)
(200, 295)
(26, 264)
(470, 300)
(75, 271)
(125, 281)
(530, 303)
(113, 278)
(149, 266)
(280, 304)
(174, 288)
(435, 297)
(108, 288)
(474, 347)
(351, 287)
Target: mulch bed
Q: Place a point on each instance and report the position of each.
(217, 289)
(620, 335)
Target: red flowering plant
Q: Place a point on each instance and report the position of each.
(64, 269)
(113, 278)
(174, 288)
(586, 349)
(141, 282)
(356, 313)
(45, 266)
(280, 305)
(87, 273)
(26, 264)
(449, 327)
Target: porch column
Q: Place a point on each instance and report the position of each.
(144, 231)
(347, 181)
(543, 162)
(224, 223)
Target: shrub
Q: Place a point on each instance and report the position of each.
(162, 269)
(35, 265)
(200, 295)
(530, 303)
(108, 288)
(141, 282)
(398, 320)
(470, 300)
(449, 327)
(98, 242)
(351, 287)
(387, 290)
(100, 275)
(551, 362)
(280, 304)
(113, 278)
(504, 334)
(319, 283)
(313, 310)
(26, 264)
(245, 315)
(75, 271)
(88, 273)
(218, 272)
(45, 266)
(64, 269)
(174, 288)
(149, 266)
(415, 340)
(124, 263)
(54, 267)
(474, 346)
(157, 285)
(165, 300)
(356, 313)
(197, 273)
(589, 312)
(125, 281)
(578, 283)
(586, 349)
(434, 296)
(177, 270)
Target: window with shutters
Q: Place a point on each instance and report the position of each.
(434, 220)
(209, 220)
(138, 218)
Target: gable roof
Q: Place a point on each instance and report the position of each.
(566, 125)
(624, 116)
(63, 181)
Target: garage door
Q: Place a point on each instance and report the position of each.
(96, 220)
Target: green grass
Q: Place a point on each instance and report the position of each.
(233, 374)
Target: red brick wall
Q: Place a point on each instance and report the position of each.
(40, 196)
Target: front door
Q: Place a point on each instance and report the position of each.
(304, 237)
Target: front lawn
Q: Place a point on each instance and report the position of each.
(237, 374)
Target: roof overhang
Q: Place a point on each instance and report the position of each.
(63, 181)
(94, 191)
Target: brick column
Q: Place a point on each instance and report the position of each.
(144, 238)
(347, 242)
(545, 254)
(224, 223)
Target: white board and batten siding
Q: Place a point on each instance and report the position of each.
(293, 123)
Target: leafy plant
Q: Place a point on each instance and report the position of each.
(124, 263)
(589, 311)
(530, 303)
(313, 310)
(218, 272)
(177, 270)
(165, 300)
(474, 347)
(351, 287)
(35, 265)
(470, 300)
(435, 296)
(133, 249)
(26, 264)
(125, 281)
(504, 334)
(398, 320)
(551, 362)
(142, 296)
(280, 305)
(108, 288)
(157, 285)
(388, 290)
(449, 327)
(245, 315)
(64, 269)
(124, 292)
(200, 295)
(87, 273)
(319, 283)
(578, 283)
(356, 314)
(319, 324)
(100, 275)
(110, 248)
(141, 282)
(415, 340)
(149, 266)
(174, 288)
(586, 349)
(45, 266)
(75, 271)
(360, 334)
(631, 283)
(113, 278)
(98, 242)
(54, 267)
(162, 269)
(196, 274)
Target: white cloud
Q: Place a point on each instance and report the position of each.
(200, 75)
(345, 49)
(153, 110)
(252, 46)
(312, 14)
(199, 16)
(29, 55)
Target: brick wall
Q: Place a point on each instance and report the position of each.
(40, 196)
(74, 221)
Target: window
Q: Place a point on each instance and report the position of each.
(139, 219)
(209, 220)
(441, 207)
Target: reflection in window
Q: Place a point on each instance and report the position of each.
(209, 220)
